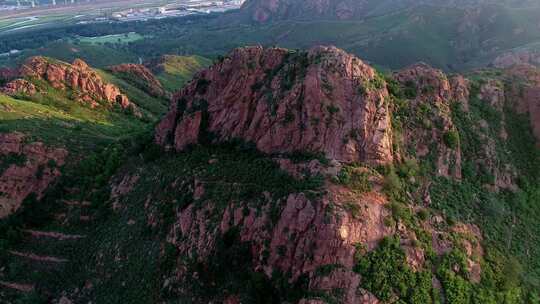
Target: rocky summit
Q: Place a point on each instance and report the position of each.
(321, 101)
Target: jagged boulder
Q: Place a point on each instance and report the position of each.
(322, 101)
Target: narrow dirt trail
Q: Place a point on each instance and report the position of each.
(39, 258)
(54, 235)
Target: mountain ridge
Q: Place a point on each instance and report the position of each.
(274, 10)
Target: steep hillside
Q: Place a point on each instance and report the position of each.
(53, 113)
(281, 176)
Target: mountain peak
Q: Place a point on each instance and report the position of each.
(321, 101)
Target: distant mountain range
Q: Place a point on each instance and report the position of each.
(267, 10)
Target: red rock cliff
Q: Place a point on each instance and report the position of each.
(323, 100)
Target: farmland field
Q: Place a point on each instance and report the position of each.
(117, 38)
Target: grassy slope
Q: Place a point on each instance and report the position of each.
(54, 117)
(59, 124)
(118, 38)
(178, 70)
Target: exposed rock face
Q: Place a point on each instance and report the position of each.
(434, 95)
(142, 77)
(323, 100)
(532, 98)
(306, 236)
(36, 169)
(79, 77)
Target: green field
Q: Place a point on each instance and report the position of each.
(118, 38)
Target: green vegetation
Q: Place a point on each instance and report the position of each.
(355, 178)
(451, 139)
(95, 55)
(510, 265)
(506, 218)
(386, 274)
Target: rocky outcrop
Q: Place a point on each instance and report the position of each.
(141, 76)
(19, 87)
(307, 235)
(26, 168)
(431, 110)
(321, 101)
(86, 84)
